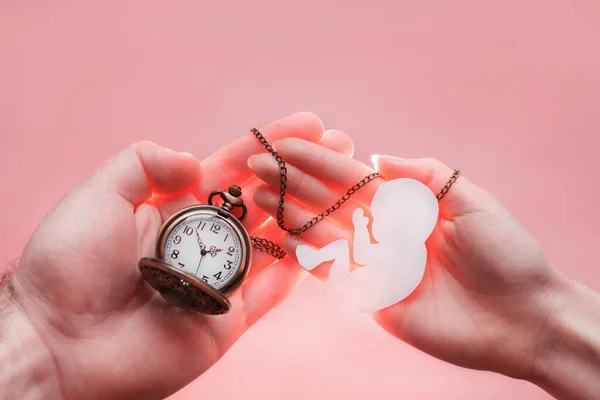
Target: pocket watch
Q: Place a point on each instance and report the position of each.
(203, 253)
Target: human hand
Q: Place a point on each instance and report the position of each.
(486, 293)
(83, 320)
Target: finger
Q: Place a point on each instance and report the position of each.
(317, 177)
(144, 169)
(461, 198)
(334, 140)
(267, 166)
(228, 165)
(335, 170)
(321, 162)
(315, 194)
(337, 141)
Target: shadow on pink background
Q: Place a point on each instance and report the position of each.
(507, 91)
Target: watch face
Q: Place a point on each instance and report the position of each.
(206, 245)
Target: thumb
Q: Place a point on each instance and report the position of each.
(433, 174)
(144, 169)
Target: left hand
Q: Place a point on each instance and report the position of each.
(488, 287)
(80, 295)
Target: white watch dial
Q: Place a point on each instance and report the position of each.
(206, 246)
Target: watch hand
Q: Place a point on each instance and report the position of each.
(202, 246)
(202, 253)
(213, 251)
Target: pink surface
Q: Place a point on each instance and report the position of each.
(507, 91)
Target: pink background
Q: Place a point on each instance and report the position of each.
(508, 91)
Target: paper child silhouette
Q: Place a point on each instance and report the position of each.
(404, 214)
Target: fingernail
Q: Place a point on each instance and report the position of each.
(289, 141)
(276, 144)
(251, 161)
(377, 158)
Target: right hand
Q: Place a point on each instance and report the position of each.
(487, 289)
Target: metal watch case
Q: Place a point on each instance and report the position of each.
(183, 289)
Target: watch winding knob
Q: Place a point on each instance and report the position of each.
(235, 190)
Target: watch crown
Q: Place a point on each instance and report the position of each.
(235, 191)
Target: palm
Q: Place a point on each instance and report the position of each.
(482, 267)
(111, 335)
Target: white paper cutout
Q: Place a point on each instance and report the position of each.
(404, 214)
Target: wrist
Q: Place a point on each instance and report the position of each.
(26, 364)
(567, 359)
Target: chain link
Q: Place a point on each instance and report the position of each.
(274, 249)
(267, 246)
(448, 185)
